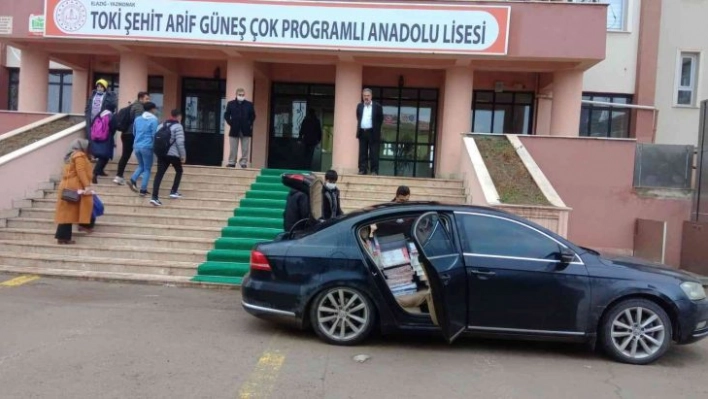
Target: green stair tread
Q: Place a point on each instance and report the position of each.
(275, 213)
(247, 221)
(223, 269)
(237, 243)
(278, 172)
(250, 232)
(218, 280)
(276, 187)
(269, 180)
(229, 255)
(260, 194)
(263, 203)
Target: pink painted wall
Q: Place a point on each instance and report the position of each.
(35, 167)
(303, 73)
(594, 177)
(11, 120)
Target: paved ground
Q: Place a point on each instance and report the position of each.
(79, 339)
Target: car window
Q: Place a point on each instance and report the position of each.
(433, 235)
(484, 235)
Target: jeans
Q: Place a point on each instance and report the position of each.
(127, 140)
(162, 164)
(144, 156)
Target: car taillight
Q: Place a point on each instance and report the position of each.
(259, 261)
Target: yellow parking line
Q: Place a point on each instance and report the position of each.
(262, 380)
(19, 281)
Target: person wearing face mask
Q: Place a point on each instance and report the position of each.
(240, 116)
(100, 100)
(331, 204)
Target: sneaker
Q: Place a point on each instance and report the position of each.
(156, 202)
(144, 193)
(175, 195)
(133, 186)
(119, 181)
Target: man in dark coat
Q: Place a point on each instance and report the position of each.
(331, 202)
(369, 117)
(297, 207)
(100, 100)
(240, 116)
(311, 135)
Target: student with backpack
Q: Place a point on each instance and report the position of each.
(124, 120)
(102, 142)
(169, 149)
(144, 129)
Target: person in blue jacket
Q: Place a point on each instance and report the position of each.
(144, 128)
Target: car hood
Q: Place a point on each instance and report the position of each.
(649, 267)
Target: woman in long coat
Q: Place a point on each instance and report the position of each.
(76, 176)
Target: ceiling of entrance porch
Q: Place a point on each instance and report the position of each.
(81, 54)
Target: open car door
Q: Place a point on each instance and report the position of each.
(445, 270)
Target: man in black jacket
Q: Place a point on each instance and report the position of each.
(331, 203)
(310, 135)
(369, 117)
(240, 116)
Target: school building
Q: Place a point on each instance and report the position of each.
(439, 68)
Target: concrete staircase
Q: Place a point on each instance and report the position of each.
(136, 241)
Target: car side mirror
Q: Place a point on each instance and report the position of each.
(567, 256)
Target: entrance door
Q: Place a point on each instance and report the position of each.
(204, 103)
(289, 104)
(445, 270)
(408, 131)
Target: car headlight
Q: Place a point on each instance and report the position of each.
(694, 291)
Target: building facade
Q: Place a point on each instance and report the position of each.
(517, 67)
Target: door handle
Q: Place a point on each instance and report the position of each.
(482, 273)
(445, 279)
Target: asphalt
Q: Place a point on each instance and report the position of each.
(62, 338)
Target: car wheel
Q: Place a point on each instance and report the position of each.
(636, 331)
(342, 316)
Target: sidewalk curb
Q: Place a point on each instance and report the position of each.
(124, 278)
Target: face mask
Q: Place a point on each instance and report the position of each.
(240, 98)
(331, 186)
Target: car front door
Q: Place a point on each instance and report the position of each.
(517, 280)
(445, 269)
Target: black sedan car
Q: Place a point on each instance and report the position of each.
(452, 269)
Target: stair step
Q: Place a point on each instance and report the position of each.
(262, 203)
(276, 187)
(130, 198)
(118, 277)
(245, 221)
(106, 252)
(223, 193)
(250, 232)
(229, 255)
(208, 178)
(237, 244)
(188, 170)
(269, 195)
(114, 216)
(98, 239)
(193, 184)
(269, 179)
(86, 263)
(147, 209)
(222, 269)
(259, 212)
(123, 228)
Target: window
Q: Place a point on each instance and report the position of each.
(59, 92)
(686, 79)
(505, 112)
(156, 89)
(605, 120)
(616, 13)
(13, 89)
(487, 235)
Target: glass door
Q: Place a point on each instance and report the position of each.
(204, 103)
(408, 131)
(289, 105)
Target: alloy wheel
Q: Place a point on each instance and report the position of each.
(343, 315)
(638, 332)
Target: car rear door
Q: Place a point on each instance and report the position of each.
(433, 235)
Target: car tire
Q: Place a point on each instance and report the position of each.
(636, 331)
(342, 316)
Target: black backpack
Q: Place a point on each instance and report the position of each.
(122, 120)
(163, 140)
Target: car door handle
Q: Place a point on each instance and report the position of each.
(482, 273)
(445, 279)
